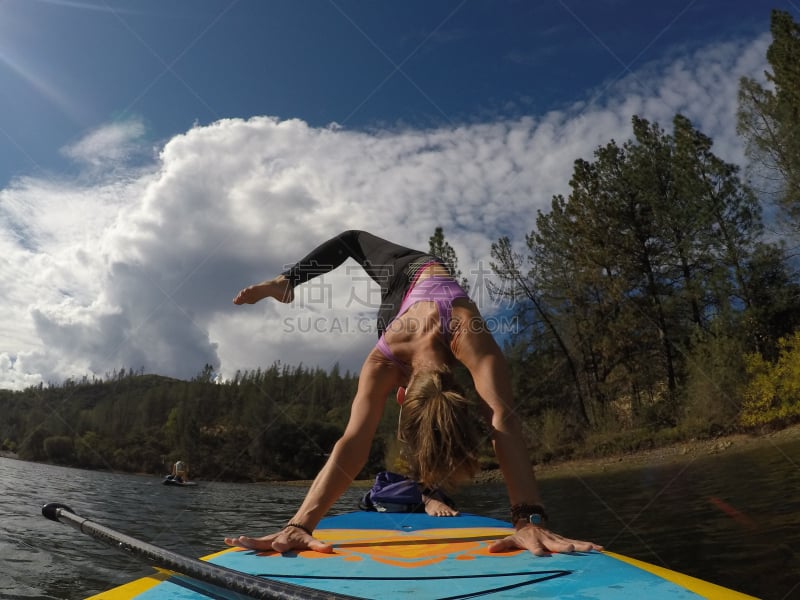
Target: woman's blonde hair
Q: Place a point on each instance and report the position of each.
(438, 431)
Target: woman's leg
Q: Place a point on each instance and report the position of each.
(380, 258)
(388, 264)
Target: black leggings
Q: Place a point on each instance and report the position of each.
(391, 266)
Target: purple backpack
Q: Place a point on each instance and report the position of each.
(392, 492)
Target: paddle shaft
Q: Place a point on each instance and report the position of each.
(223, 577)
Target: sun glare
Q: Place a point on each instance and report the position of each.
(19, 69)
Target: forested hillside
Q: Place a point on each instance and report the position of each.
(273, 424)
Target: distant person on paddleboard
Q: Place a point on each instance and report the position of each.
(180, 471)
(426, 324)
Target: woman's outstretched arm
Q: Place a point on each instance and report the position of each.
(477, 350)
(349, 456)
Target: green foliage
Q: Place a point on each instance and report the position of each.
(32, 445)
(554, 436)
(774, 310)
(59, 449)
(93, 451)
(769, 117)
(772, 394)
(715, 376)
(275, 423)
(656, 240)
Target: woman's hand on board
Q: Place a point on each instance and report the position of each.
(541, 542)
(288, 538)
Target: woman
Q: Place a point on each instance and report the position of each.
(426, 323)
(180, 472)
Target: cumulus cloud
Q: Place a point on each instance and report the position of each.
(138, 271)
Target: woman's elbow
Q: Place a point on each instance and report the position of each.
(503, 419)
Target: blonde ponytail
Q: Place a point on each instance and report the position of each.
(439, 432)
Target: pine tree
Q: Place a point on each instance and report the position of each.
(441, 248)
(769, 118)
(655, 241)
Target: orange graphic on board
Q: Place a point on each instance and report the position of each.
(407, 550)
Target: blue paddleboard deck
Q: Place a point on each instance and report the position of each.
(401, 555)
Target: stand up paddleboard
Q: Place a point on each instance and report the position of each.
(402, 555)
(169, 480)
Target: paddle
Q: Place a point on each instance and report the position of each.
(223, 577)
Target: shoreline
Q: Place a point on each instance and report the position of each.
(664, 455)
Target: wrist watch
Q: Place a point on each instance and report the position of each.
(537, 519)
(532, 513)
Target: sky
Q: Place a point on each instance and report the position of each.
(156, 156)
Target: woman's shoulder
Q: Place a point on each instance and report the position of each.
(465, 311)
(378, 377)
(379, 365)
(470, 331)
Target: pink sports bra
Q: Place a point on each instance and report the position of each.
(438, 289)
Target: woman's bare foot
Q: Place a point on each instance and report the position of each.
(437, 508)
(278, 288)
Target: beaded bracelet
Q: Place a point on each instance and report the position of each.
(300, 527)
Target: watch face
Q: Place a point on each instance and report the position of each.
(536, 519)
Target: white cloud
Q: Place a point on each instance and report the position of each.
(139, 271)
(108, 146)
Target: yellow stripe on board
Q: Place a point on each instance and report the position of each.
(134, 588)
(698, 586)
(219, 553)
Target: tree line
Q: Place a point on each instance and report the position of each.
(275, 423)
(654, 304)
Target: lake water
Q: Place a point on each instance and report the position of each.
(731, 518)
